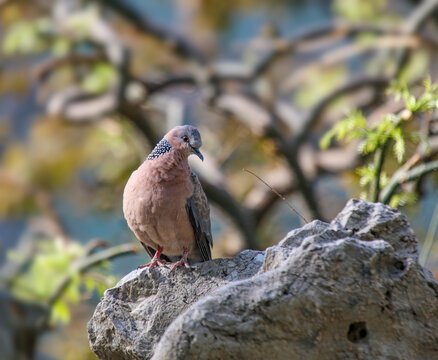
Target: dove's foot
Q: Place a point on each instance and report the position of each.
(156, 261)
(182, 261)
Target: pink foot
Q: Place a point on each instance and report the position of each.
(182, 261)
(156, 261)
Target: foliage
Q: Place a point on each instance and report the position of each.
(359, 10)
(76, 51)
(53, 261)
(42, 35)
(25, 37)
(390, 133)
(426, 102)
(56, 154)
(101, 77)
(318, 83)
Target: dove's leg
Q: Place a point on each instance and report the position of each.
(182, 261)
(156, 261)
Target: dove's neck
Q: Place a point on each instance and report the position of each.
(174, 167)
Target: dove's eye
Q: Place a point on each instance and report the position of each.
(186, 138)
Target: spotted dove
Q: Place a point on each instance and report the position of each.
(165, 205)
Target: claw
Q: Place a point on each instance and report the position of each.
(156, 261)
(182, 261)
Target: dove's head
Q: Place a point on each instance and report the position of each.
(185, 138)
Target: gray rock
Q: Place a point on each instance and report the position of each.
(131, 318)
(351, 289)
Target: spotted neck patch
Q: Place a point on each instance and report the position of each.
(161, 148)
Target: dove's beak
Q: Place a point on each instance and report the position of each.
(197, 153)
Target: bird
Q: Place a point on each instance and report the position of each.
(164, 203)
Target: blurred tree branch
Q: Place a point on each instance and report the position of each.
(172, 39)
(403, 176)
(413, 24)
(256, 94)
(90, 260)
(273, 120)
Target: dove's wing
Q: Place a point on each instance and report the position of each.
(199, 215)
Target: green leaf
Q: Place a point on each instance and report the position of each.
(80, 23)
(72, 293)
(60, 312)
(90, 284)
(354, 126)
(384, 179)
(403, 199)
(399, 144)
(359, 10)
(427, 83)
(51, 263)
(325, 141)
(101, 288)
(23, 38)
(101, 77)
(54, 260)
(416, 66)
(399, 89)
(367, 174)
(363, 195)
(318, 83)
(390, 128)
(370, 143)
(61, 46)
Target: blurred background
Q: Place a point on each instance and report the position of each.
(87, 88)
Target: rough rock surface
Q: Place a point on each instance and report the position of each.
(132, 316)
(351, 289)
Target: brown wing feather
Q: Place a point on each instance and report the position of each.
(199, 215)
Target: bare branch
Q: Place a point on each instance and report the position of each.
(44, 69)
(337, 55)
(276, 120)
(156, 86)
(402, 176)
(379, 158)
(280, 196)
(313, 115)
(237, 213)
(411, 26)
(178, 43)
(342, 29)
(138, 117)
(94, 244)
(76, 105)
(269, 200)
